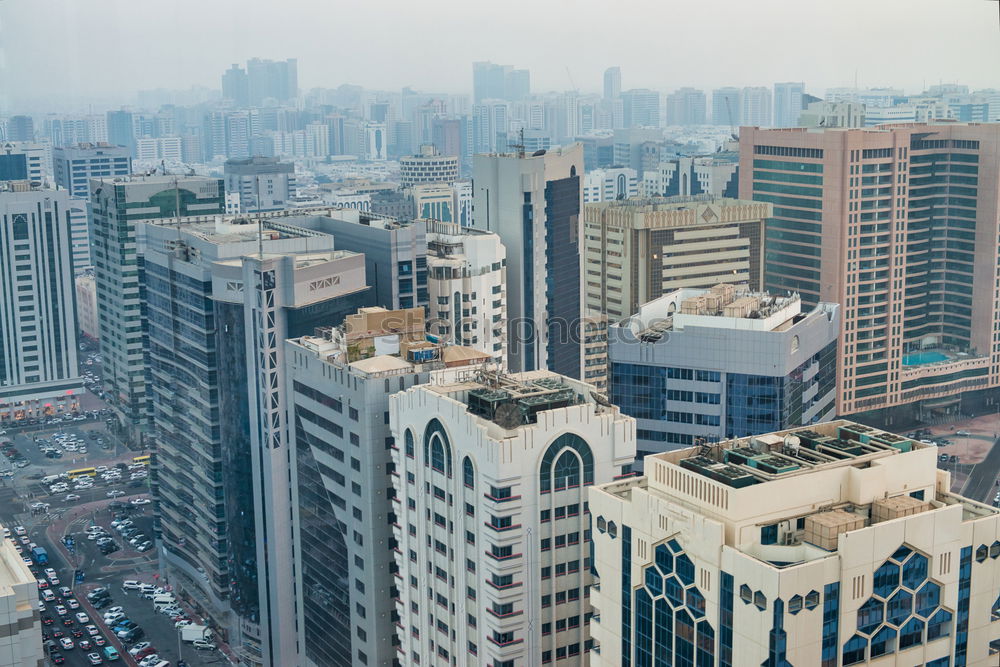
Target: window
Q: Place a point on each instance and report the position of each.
(468, 473)
(567, 462)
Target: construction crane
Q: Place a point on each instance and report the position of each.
(571, 82)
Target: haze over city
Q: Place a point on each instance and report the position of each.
(111, 48)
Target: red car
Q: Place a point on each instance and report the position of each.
(57, 658)
(149, 650)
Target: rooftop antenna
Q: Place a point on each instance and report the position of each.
(519, 146)
(177, 208)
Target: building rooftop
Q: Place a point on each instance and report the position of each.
(790, 496)
(679, 202)
(723, 306)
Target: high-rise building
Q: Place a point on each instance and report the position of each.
(517, 84)
(490, 123)
(86, 305)
(612, 83)
(467, 283)
(610, 184)
(20, 128)
(703, 365)
(859, 220)
(238, 133)
(20, 623)
(493, 530)
(833, 114)
(638, 250)
(116, 206)
(755, 107)
(74, 166)
(121, 129)
(217, 390)
(276, 80)
(160, 150)
(446, 135)
(727, 107)
(38, 337)
(499, 82)
(788, 103)
(716, 174)
(263, 183)
(338, 386)
(25, 161)
(533, 203)
(641, 108)
(236, 86)
(595, 350)
(430, 166)
(686, 106)
(833, 544)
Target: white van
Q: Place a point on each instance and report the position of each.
(49, 479)
(164, 600)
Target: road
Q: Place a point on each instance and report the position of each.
(982, 480)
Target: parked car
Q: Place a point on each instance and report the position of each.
(66, 643)
(962, 434)
(203, 645)
(95, 658)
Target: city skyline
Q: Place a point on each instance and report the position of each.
(78, 71)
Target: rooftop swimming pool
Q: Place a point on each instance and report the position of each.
(920, 358)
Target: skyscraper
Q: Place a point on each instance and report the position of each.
(641, 108)
(517, 84)
(637, 250)
(20, 128)
(38, 347)
(262, 183)
(121, 129)
(686, 106)
(906, 264)
(116, 208)
(25, 160)
(827, 540)
(726, 107)
(488, 82)
(339, 384)
(217, 391)
(490, 484)
(788, 103)
(533, 203)
(236, 86)
(612, 83)
(276, 80)
(74, 166)
(755, 107)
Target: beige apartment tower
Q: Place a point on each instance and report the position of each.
(636, 250)
(831, 545)
(899, 225)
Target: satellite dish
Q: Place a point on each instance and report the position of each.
(508, 415)
(601, 399)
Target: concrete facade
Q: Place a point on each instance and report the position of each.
(20, 623)
(637, 250)
(832, 545)
(492, 529)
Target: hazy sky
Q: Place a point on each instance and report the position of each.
(72, 47)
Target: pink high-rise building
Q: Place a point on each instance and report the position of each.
(900, 225)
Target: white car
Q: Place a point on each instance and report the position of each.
(50, 573)
(110, 619)
(203, 645)
(141, 501)
(115, 493)
(183, 623)
(95, 529)
(82, 618)
(150, 660)
(131, 585)
(70, 497)
(138, 648)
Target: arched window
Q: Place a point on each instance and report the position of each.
(408, 437)
(567, 462)
(468, 473)
(437, 450)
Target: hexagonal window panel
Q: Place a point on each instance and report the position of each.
(995, 549)
(654, 582)
(939, 625)
(911, 633)
(685, 569)
(760, 600)
(746, 594)
(695, 602)
(981, 552)
(674, 546)
(674, 591)
(812, 600)
(664, 559)
(870, 616)
(915, 571)
(901, 553)
(899, 607)
(883, 642)
(886, 579)
(928, 598)
(795, 604)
